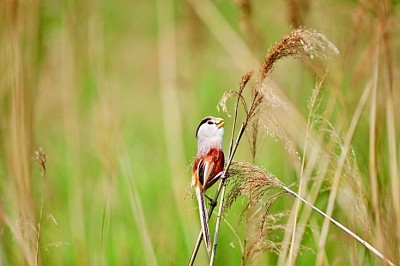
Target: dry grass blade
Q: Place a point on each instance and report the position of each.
(373, 156)
(392, 144)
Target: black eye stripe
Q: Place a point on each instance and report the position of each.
(205, 120)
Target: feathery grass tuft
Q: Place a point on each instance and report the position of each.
(300, 42)
(250, 180)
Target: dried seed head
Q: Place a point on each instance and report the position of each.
(40, 157)
(300, 42)
(250, 180)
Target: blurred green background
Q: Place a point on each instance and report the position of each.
(113, 91)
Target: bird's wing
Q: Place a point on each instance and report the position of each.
(205, 170)
(216, 170)
(200, 172)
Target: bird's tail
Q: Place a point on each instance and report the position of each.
(203, 217)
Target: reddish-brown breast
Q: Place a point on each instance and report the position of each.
(216, 160)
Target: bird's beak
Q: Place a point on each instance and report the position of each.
(220, 122)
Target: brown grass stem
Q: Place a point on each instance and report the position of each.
(217, 225)
(40, 157)
(394, 176)
(223, 187)
(39, 230)
(391, 120)
(373, 170)
(200, 237)
(385, 10)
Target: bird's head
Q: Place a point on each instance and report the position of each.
(209, 133)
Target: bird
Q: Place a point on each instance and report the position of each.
(208, 165)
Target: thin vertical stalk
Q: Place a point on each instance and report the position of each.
(297, 208)
(217, 225)
(41, 160)
(304, 175)
(303, 179)
(394, 176)
(338, 171)
(373, 171)
(223, 182)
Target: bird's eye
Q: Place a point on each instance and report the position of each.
(210, 122)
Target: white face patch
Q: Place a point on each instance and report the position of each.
(209, 135)
(209, 130)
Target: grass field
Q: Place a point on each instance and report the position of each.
(100, 101)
